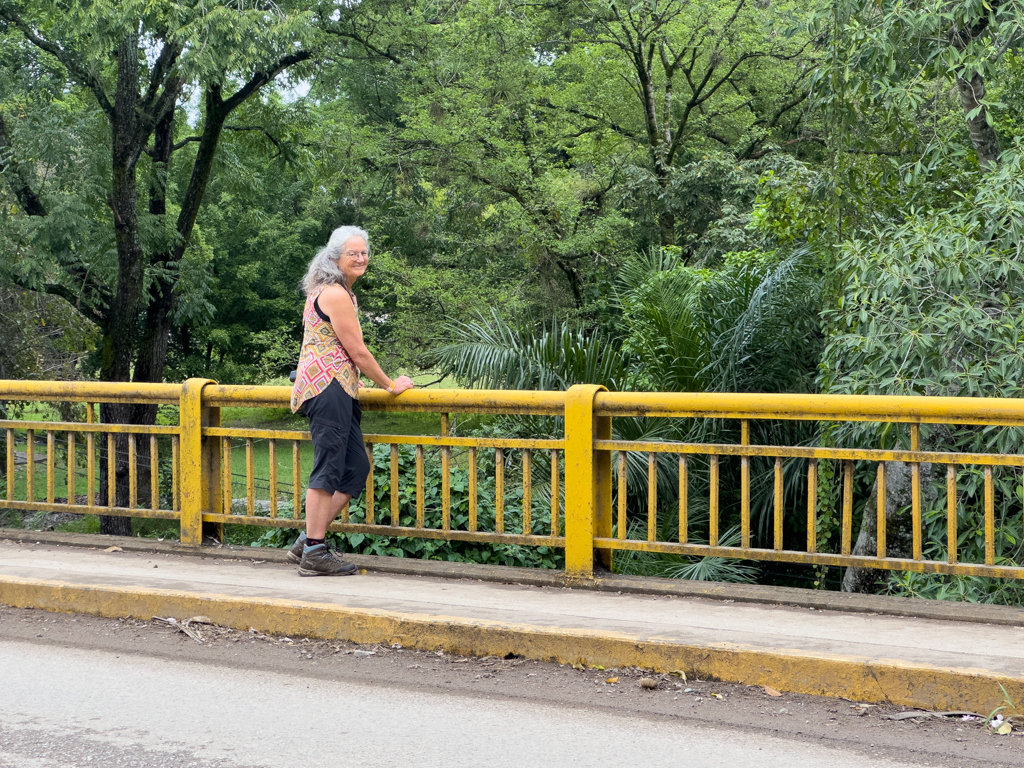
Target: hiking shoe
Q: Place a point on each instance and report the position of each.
(323, 561)
(295, 553)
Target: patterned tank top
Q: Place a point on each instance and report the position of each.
(322, 359)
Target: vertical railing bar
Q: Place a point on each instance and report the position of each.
(228, 478)
(72, 465)
(10, 464)
(445, 474)
(472, 490)
(713, 503)
(915, 490)
(90, 458)
(446, 490)
(684, 499)
(272, 467)
(51, 466)
(368, 506)
(556, 487)
(446, 487)
(446, 480)
(745, 487)
(499, 490)
(812, 506)
(420, 493)
(175, 471)
(990, 519)
(111, 470)
(133, 472)
(652, 496)
(847, 507)
(30, 465)
(778, 511)
(394, 484)
(297, 511)
(880, 507)
(154, 473)
(951, 521)
(250, 478)
(621, 523)
(527, 492)
(90, 469)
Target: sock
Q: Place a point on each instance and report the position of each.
(313, 542)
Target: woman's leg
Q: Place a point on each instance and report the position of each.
(321, 509)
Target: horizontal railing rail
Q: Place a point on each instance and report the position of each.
(568, 491)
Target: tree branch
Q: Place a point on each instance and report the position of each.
(19, 185)
(370, 47)
(66, 58)
(261, 78)
(151, 105)
(62, 291)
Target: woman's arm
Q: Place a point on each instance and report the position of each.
(337, 304)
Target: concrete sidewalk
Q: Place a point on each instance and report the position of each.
(931, 663)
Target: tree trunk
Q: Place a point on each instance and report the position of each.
(114, 413)
(667, 227)
(899, 524)
(152, 347)
(119, 334)
(983, 136)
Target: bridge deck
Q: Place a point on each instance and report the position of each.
(786, 647)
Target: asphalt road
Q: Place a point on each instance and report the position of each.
(82, 691)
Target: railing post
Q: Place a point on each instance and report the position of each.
(194, 479)
(213, 494)
(603, 489)
(585, 480)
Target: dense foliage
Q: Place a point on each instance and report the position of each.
(654, 194)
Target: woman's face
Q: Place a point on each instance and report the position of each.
(354, 258)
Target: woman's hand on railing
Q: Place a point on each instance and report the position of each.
(402, 383)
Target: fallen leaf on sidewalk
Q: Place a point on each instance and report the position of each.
(678, 673)
(201, 620)
(927, 713)
(1004, 729)
(771, 691)
(181, 626)
(577, 666)
(718, 696)
(612, 680)
(113, 549)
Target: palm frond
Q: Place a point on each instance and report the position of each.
(489, 352)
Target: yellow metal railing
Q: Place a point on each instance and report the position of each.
(588, 468)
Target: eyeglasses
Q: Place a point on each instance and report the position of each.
(353, 254)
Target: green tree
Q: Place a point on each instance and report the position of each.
(676, 79)
(891, 60)
(931, 306)
(129, 68)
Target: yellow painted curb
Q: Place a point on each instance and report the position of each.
(854, 677)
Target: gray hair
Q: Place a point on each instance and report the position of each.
(323, 269)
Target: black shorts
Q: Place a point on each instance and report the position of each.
(340, 463)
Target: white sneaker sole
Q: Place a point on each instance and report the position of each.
(306, 572)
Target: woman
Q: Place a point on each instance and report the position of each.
(327, 392)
